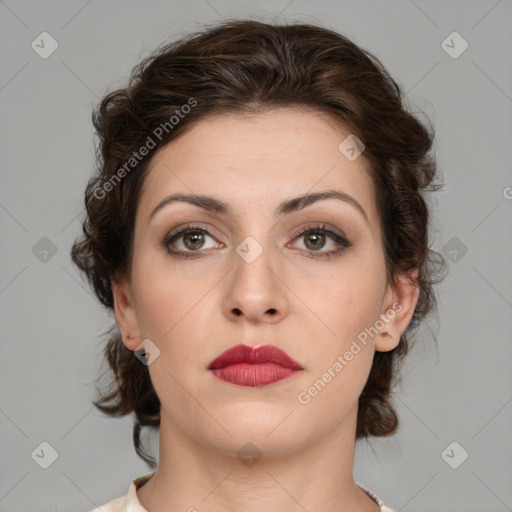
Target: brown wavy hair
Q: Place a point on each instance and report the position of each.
(247, 66)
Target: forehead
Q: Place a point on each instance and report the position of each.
(258, 160)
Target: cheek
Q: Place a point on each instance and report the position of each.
(174, 310)
(158, 304)
(162, 297)
(163, 305)
(348, 301)
(341, 364)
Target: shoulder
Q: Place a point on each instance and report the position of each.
(129, 501)
(383, 508)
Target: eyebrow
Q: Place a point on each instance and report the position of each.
(290, 205)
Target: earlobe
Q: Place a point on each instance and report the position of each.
(125, 313)
(398, 314)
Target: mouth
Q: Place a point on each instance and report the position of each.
(243, 365)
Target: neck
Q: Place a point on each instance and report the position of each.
(194, 475)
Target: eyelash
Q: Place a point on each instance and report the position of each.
(319, 228)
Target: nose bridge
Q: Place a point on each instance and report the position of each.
(256, 248)
(254, 261)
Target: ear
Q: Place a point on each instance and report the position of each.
(399, 304)
(125, 313)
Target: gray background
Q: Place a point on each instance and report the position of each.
(50, 322)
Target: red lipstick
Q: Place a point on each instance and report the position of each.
(247, 366)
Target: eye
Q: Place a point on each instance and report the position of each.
(316, 238)
(192, 239)
(188, 240)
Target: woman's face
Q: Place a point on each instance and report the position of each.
(251, 276)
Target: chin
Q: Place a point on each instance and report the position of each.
(270, 430)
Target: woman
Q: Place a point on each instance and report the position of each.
(258, 224)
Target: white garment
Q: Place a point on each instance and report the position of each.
(129, 502)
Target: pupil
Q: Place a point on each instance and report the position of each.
(195, 243)
(319, 238)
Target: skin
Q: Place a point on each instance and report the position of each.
(194, 309)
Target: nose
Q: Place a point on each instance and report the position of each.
(256, 289)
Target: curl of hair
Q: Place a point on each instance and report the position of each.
(243, 67)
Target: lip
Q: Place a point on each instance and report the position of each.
(248, 366)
